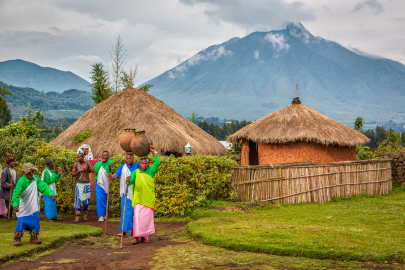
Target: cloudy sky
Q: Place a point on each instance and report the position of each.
(158, 35)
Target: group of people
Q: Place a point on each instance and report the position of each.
(137, 191)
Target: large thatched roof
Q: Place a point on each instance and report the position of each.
(298, 122)
(133, 108)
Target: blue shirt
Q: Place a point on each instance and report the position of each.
(131, 169)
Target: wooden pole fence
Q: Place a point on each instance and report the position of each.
(311, 182)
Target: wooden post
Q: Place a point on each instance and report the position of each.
(130, 75)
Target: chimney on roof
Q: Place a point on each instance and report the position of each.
(296, 100)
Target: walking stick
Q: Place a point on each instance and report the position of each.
(106, 211)
(9, 201)
(123, 218)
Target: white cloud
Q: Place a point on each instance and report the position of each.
(198, 58)
(372, 4)
(256, 54)
(298, 31)
(258, 15)
(277, 41)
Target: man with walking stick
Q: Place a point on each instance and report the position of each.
(143, 197)
(9, 178)
(126, 201)
(102, 168)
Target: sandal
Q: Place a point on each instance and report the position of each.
(144, 240)
(135, 241)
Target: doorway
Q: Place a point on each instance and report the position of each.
(253, 153)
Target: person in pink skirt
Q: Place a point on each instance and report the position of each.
(143, 197)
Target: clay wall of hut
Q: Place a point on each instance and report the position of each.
(294, 152)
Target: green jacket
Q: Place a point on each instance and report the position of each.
(143, 185)
(51, 179)
(23, 183)
(100, 164)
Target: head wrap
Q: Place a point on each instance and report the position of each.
(89, 154)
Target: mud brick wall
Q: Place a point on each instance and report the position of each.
(397, 166)
(298, 152)
(244, 155)
(304, 151)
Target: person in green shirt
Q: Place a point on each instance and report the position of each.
(102, 168)
(50, 177)
(25, 201)
(143, 197)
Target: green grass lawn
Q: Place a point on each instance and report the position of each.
(359, 228)
(51, 235)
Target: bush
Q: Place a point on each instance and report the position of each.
(63, 158)
(18, 146)
(182, 183)
(191, 181)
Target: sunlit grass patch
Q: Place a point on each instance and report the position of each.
(360, 228)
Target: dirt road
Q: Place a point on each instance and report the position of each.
(103, 253)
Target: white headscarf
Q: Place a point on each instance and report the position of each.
(89, 155)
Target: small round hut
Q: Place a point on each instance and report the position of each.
(132, 108)
(297, 133)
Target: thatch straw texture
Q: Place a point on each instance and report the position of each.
(133, 108)
(298, 122)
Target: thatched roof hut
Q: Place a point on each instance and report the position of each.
(291, 135)
(133, 108)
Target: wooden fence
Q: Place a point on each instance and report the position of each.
(311, 182)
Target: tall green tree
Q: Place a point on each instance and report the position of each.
(100, 86)
(5, 114)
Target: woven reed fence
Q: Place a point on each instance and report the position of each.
(311, 182)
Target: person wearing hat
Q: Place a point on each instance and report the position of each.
(26, 203)
(9, 178)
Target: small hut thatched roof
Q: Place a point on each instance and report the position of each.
(298, 122)
(133, 108)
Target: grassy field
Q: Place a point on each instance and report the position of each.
(362, 228)
(51, 235)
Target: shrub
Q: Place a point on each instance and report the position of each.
(182, 183)
(18, 146)
(63, 158)
(190, 181)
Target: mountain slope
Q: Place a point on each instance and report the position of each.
(250, 77)
(25, 74)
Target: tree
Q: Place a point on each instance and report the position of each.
(100, 86)
(146, 87)
(5, 114)
(358, 124)
(118, 56)
(391, 144)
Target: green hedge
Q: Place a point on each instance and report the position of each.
(181, 183)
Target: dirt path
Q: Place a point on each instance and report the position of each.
(103, 253)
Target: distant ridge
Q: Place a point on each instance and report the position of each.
(250, 77)
(26, 74)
